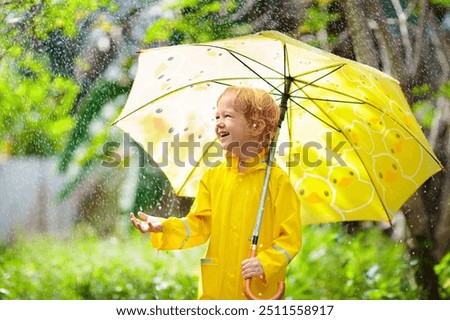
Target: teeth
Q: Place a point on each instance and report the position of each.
(223, 134)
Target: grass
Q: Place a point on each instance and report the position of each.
(331, 265)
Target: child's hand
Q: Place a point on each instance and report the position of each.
(252, 268)
(147, 224)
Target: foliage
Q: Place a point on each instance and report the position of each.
(34, 118)
(424, 109)
(88, 268)
(83, 149)
(336, 265)
(93, 107)
(332, 265)
(195, 21)
(318, 18)
(443, 271)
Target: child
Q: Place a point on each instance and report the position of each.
(226, 206)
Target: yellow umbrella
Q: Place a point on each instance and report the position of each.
(350, 143)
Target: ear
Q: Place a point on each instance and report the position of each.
(258, 127)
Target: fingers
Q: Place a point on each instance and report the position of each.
(133, 220)
(142, 226)
(143, 216)
(252, 268)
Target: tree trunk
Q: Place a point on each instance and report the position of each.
(363, 44)
(404, 56)
(421, 248)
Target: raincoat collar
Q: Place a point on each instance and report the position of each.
(257, 163)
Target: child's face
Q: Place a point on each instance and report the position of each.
(232, 129)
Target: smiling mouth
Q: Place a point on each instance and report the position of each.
(223, 134)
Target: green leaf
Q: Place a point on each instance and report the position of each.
(91, 107)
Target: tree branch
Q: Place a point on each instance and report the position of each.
(418, 43)
(403, 25)
(442, 45)
(363, 44)
(393, 50)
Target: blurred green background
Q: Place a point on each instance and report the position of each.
(65, 70)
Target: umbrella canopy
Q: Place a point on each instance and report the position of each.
(349, 142)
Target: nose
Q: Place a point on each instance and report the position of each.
(219, 123)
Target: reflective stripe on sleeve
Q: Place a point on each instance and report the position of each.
(286, 254)
(188, 232)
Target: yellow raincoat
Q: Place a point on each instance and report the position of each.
(224, 212)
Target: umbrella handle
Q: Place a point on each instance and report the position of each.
(248, 291)
(277, 296)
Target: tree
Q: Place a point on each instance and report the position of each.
(61, 56)
(416, 54)
(403, 38)
(57, 97)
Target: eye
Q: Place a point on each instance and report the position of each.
(227, 116)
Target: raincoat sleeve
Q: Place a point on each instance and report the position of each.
(190, 231)
(287, 231)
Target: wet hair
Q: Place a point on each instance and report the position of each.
(259, 108)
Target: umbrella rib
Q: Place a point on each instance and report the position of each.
(361, 102)
(286, 72)
(184, 87)
(235, 53)
(312, 114)
(256, 73)
(327, 100)
(365, 167)
(359, 156)
(195, 166)
(320, 78)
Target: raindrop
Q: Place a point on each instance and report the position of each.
(171, 130)
(159, 110)
(160, 77)
(185, 129)
(170, 58)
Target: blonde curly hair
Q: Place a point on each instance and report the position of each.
(259, 108)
